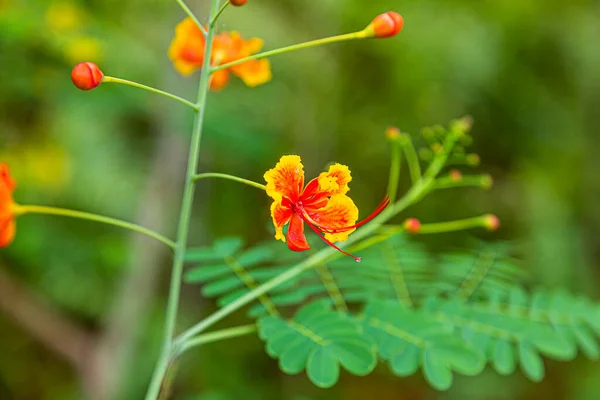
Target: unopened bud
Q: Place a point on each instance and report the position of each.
(462, 125)
(427, 133)
(392, 133)
(238, 2)
(437, 148)
(455, 175)
(473, 159)
(385, 25)
(412, 225)
(425, 154)
(491, 222)
(487, 181)
(86, 76)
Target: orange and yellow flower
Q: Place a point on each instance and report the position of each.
(187, 53)
(322, 204)
(7, 217)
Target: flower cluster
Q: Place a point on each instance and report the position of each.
(187, 53)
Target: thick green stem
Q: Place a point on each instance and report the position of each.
(305, 45)
(110, 79)
(184, 221)
(35, 209)
(229, 177)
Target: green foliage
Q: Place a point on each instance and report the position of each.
(319, 341)
(446, 314)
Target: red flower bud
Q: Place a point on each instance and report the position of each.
(238, 2)
(491, 222)
(86, 76)
(385, 25)
(412, 225)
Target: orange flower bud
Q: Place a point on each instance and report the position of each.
(238, 2)
(492, 222)
(385, 25)
(86, 76)
(412, 225)
(392, 133)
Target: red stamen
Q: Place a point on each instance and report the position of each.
(357, 259)
(384, 203)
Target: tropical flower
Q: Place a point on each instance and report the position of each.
(187, 53)
(7, 217)
(322, 204)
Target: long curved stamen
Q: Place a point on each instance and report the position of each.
(357, 259)
(328, 229)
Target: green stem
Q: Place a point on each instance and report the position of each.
(184, 222)
(411, 158)
(305, 45)
(229, 177)
(190, 14)
(35, 209)
(213, 21)
(442, 227)
(110, 79)
(216, 336)
(395, 166)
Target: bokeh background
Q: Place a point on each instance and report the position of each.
(81, 304)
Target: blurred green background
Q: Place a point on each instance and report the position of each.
(81, 304)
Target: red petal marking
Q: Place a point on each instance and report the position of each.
(384, 203)
(295, 236)
(357, 259)
(312, 196)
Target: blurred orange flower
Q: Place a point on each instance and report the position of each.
(187, 53)
(322, 204)
(7, 217)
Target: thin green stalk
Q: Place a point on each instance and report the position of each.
(190, 14)
(223, 334)
(396, 275)
(229, 177)
(35, 209)
(184, 222)
(482, 181)
(305, 45)
(395, 166)
(213, 21)
(251, 284)
(477, 275)
(411, 158)
(331, 286)
(110, 79)
(442, 227)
